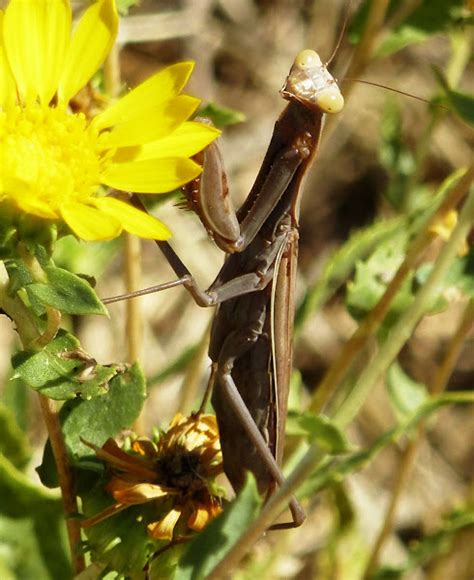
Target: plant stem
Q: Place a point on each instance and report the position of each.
(410, 453)
(66, 480)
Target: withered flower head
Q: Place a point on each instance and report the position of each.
(176, 472)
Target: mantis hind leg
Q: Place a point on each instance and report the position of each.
(233, 397)
(238, 422)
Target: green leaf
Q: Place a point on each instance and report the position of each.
(221, 116)
(102, 417)
(96, 420)
(207, 549)
(430, 17)
(461, 103)
(341, 263)
(47, 471)
(62, 370)
(13, 442)
(397, 156)
(66, 292)
(372, 277)
(319, 431)
(406, 395)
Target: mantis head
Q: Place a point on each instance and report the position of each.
(310, 83)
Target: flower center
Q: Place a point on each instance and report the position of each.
(47, 156)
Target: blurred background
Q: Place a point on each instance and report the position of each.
(381, 144)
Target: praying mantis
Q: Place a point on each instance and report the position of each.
(251, 337)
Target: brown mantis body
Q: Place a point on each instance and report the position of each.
(251, 337)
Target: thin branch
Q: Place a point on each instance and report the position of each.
(66, 481)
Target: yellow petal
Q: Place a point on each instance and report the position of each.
(159, 122)
(188, 139)
(150, 175)
(36, 36)
(89, 223)
(139, 493)
(32, 204)
(199, 519)
(7, 82)
(161, 87)
(133, 220)
(91, 42)
(55, 41)
(163, 530)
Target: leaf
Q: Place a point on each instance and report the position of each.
(102, 417)
(208, 548)
(430, 17)
(61, 370)
(66, 292)
(341, 263)
(95, 421)
(398, 158)
(221, 116)
(371, 279)
(13, 442)
(461, 103)
(406, 395)
(318, 430)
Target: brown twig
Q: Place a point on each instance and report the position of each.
(66, 480)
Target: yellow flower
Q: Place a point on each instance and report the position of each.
(53, 162)
(177, 473)
(444, 228)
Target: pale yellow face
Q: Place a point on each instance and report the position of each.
(310, 82)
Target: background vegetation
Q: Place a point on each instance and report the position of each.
(385, 164)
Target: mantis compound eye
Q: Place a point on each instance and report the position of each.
(330, 100)
(308, 59)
